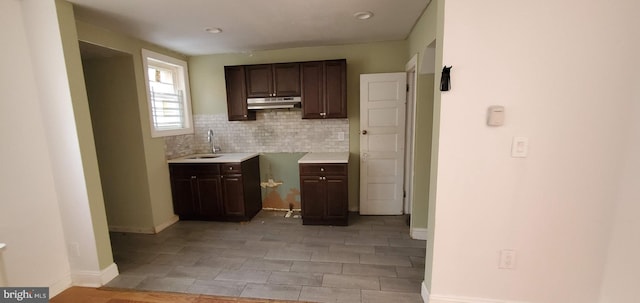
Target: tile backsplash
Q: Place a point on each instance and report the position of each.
(272, 132)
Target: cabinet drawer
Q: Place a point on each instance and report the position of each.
(231, 168)
(188, 170)
(324, 169)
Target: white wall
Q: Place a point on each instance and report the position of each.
(562, 70)
(54, 93)
(30, 221)
(622, 271)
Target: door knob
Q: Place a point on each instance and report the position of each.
(364, 132)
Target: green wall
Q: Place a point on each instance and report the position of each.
(208, 91)
(281, 167)
(80, 105)
(436, 20)
(156, 167)
(111, 89)
(423, 34)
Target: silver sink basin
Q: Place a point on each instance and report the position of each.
(204, 157)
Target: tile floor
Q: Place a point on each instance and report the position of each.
(272, 257)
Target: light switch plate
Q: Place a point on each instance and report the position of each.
(520, 147)
(507, 259)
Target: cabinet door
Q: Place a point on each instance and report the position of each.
(233, 195)
(311, 75)
(287, 79)
(209, 196)
(337, 197)
(335, 88)
(313, 195)
(236, 94)
(184, 199)
(259, 80)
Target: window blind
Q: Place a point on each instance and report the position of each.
(167, 110)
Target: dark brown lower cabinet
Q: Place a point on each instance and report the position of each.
(324, 194)
(211, 191)
(233, 195)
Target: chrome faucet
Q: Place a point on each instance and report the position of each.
(210, 139)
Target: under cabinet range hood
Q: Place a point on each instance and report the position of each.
(273, 102)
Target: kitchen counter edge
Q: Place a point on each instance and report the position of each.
(325, 157)
(223, 158)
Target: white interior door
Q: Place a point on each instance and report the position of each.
(382, 127)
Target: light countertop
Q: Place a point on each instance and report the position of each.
(337, 157)
(214, 158)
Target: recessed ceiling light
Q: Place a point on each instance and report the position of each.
(213, 30)
(363, 15)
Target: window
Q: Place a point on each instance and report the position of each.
(168, 94)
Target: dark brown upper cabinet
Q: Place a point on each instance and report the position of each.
(273, 80)
(236, 94)
(324, 89)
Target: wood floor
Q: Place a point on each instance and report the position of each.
(107, 295)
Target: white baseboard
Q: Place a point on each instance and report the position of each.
(424, 292)
(456, 299)
(109, 273)
(59, 286)
(166, 224)
(88, 278)
(419, 233)
(129, 229)
(144, 230)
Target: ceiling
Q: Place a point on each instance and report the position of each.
(249, 25)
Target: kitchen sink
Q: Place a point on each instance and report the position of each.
(205, 157)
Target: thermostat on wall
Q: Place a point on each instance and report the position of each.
(495, 115)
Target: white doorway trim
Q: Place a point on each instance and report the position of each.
(411, 68)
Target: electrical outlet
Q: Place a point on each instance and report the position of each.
(74, 249)
(340, 136)
(507, 259)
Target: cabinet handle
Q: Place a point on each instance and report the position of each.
(321, 168)
(193, 177)
(230, 168)
(245, 116)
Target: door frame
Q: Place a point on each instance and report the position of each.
(411, 68)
